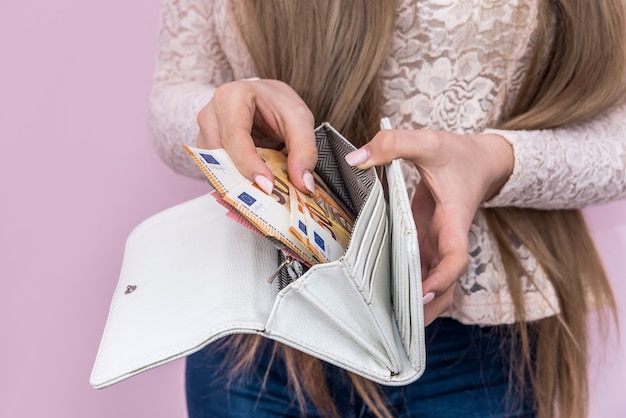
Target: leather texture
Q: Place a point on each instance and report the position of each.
(189, 277)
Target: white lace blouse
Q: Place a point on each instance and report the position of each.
(454, 66)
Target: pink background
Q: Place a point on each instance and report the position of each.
(79, 172)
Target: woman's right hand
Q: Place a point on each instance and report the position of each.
(458, 173)
(266, 113)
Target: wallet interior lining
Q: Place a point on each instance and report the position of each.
(350, 184)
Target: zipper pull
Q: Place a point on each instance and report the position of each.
(288, 262)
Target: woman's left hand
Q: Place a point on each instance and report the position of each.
(458, 172)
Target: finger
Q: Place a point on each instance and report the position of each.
(429, 257)
(439, 305)
(301, 150)
(390, 144)
(208, 135)
(454, 258)
(293, 122)
(286, 115)
(264, 137)
(423, 201)
(235, 117)
(423, 208)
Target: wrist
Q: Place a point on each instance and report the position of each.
(498, 160)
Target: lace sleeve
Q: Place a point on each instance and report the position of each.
(567, 168)
(190, 65)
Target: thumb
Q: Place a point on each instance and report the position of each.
(389, 144)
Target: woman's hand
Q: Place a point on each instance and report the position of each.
(267, 113)
(458, 173)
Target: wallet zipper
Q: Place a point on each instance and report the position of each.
(289, 269)
(286, 263)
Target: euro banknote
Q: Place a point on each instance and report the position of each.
(313, 227)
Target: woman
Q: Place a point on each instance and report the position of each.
(509, 117)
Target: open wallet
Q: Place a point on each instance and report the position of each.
(190, 276)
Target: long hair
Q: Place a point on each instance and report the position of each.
(563, 85)
(331, 53)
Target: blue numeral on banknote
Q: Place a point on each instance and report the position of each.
(246, 198)
(210, 159)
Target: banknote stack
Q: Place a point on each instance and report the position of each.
(312, 228)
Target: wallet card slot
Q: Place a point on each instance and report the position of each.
(410, 290)
(370, 213)
(401, 292)
(406, 273)
(378, 259)
(367, 243)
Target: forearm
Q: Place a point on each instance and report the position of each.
(189, 67)
(567, 168)
(173, 120)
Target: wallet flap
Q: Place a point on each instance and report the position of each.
(174, 297)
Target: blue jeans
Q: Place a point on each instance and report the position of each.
(467, 375)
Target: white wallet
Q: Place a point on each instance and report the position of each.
(191, 276)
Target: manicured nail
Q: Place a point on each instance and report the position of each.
(357, 157)
(427, 298)
(264, 183)
(309, 181)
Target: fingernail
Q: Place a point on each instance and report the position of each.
(427, 298)
(309, 181)
(357, 157)
(264, 183)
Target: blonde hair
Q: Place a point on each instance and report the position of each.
(331, 52)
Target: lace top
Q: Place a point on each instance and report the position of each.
(453, 66)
